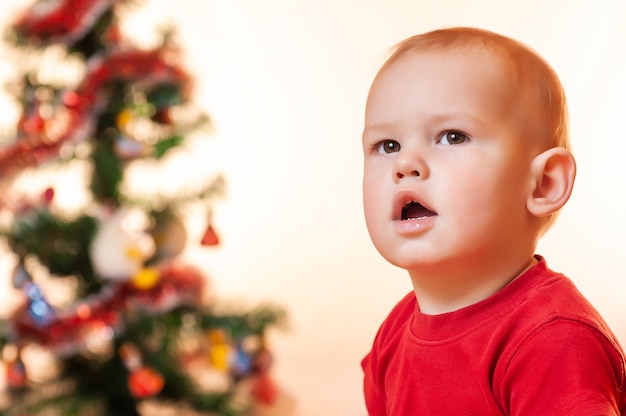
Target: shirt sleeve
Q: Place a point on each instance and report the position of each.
(374, 398)
(565, 367)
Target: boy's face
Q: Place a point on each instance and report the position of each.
(446, 162)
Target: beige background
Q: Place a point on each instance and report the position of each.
(285, 82)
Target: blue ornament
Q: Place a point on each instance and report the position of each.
(20, 276)
(241, 362)
(39, 308)
(127, 148)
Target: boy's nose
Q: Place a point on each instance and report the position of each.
(409, 165)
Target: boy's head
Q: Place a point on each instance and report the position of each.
(466, 151)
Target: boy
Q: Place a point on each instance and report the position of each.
(466, 163)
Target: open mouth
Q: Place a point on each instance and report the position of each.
(414, 211)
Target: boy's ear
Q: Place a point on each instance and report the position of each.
(553, 173)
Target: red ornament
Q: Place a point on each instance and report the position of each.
(264, 390)
(210, 237)
(16, 374)
(162, 116)
(145, 382)
(47, 196)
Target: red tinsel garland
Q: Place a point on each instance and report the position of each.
(60, 21)
(66, 333)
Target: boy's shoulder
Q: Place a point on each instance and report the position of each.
(541, 296)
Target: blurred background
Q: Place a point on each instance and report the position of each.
(285, 82)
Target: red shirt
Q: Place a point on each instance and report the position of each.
(537, 347)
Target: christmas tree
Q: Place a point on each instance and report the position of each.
(113, 321)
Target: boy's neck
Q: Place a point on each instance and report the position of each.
(447, 293)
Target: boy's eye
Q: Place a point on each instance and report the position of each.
(452, 137)
(388, 146)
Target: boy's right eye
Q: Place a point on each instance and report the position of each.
(387, 146)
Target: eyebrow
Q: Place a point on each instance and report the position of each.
(377, 127)
(432, 118)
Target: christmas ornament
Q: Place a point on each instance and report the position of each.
(127, 148)
(162, 116)
(220, 349)
(241, 362)
(145, 278)
(169, 234)
(143, 381)
(20, 275)
(210, 237)
(264, 389)
(16, 373)
(121, 244)
(39, 308)
(47, 196)
(262, 360)
(123, 118)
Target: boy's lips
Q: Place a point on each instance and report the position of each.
(409, 206)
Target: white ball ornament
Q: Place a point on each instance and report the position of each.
(121, 244)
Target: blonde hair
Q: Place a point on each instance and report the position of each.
(534, 76)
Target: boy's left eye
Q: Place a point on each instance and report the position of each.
(452, 137)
